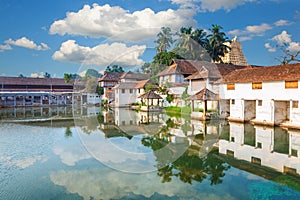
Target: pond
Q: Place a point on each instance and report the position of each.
(89, 153)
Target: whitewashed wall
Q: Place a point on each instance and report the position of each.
(124, 99)
(265, 136)
(270, 90)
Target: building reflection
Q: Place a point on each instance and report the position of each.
(19, 114)
(271, 147)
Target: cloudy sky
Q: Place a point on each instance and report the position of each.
(63, 36)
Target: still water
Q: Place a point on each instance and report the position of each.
(86, 153)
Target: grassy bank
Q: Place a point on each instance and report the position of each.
(178, 111)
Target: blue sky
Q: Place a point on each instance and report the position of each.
(63, 36)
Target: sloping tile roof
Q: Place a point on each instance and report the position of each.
(111, 76)
(135, 76)
(258, 74)
(133, 84)
(126, 85)
(150, 95)
(33, 81)
(213, 70)
(202, 68)
(204, 94)
(177, 66)
(141, 84)
(177, 84)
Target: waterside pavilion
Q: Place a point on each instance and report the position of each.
(16, 91)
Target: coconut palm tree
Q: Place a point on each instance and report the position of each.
(164, 40)
(194, 42)
(185, 38)
(216, 47)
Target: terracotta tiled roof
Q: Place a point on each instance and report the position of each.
(177, 84)
(198, 69)
(33, 81)
(111, 76)
(135, 76)
(126, 85)
(258, 74)
(204, 94)
(177, 66)
(213, 70)
(143, 83)
(15, 84)
(150, 95)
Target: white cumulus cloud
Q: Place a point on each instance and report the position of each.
(212, 5)
(258, 29)
(282, 22)
(283, 39)
(270, 48)
(294, 47)
(26, 43)
(101, 55)
(115, 22)
(251, 31)
(5, 47)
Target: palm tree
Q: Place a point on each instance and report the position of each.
(185, 38)
(164, 40)
(216, 47)
(199, 36)
(194, 42)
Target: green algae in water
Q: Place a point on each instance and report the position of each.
(271, 191)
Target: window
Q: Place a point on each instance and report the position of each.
(232, 139)
(291, 84)
(232, 101)
(139, 91)
(259, 145)
(257, 85)
(230, 86)
(123, 91)
(256, 160)
(295, 104)
(259, 102)
(130, 91)
(294, 152)
(230, 153)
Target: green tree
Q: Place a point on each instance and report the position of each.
(91, 84)
(185, 38)
(92, 73)
(114, 68)
(67, 77)
(216, 47)
(146, 68)
(170, 97)
(164, 39)
(192, 44)
(47, 75)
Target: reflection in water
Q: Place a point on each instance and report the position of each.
(191, 159)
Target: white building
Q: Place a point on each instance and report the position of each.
(127, 93)
(263, 146)
(263, 95)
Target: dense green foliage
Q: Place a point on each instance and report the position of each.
(114, 68)
(189, 44)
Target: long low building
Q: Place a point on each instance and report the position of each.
(16, 91)
(263, 95)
